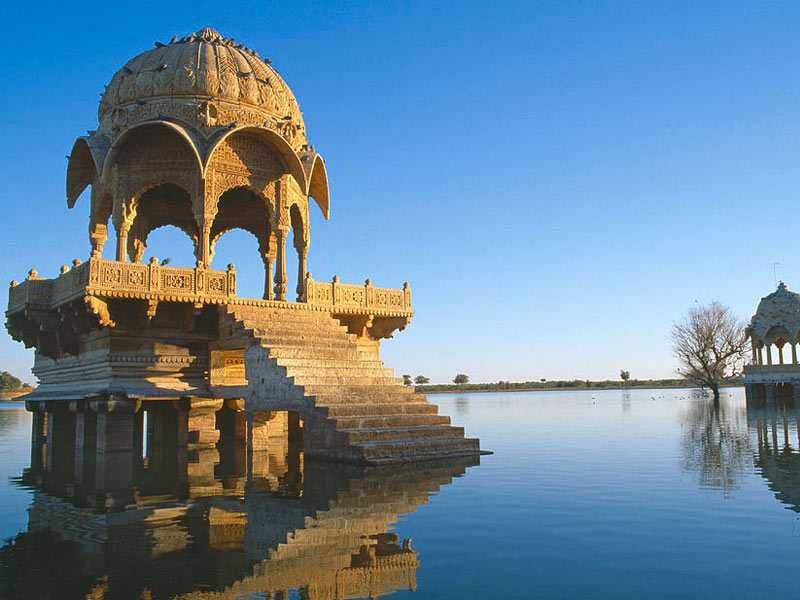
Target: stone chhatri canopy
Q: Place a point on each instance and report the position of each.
(202, 134)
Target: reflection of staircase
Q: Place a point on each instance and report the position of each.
(364, 413)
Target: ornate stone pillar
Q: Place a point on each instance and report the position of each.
(122, 241)
(302, 253)
(268, 257)
(203, 254)
(98, 234)
(280, 264)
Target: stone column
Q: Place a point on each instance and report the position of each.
(794, 354)
(197, 425)
(38, 434)
(280, 265)
(302, 253)
(780, 354)
(122, 241)
(268, 260)
(114, 457)
(85, 439)
(203, 254)
(767, 349)
(60, 439)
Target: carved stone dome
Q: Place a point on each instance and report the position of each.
(780, 309)
(200, 74)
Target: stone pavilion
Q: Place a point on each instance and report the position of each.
(774, 333)
(203, 134)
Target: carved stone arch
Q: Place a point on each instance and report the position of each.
(317, 176)
(256, 152)
(147, 155)
(247, 208)
(165, 203)
(84, 166)
(189, 138)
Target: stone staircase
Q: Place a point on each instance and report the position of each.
(353, 407)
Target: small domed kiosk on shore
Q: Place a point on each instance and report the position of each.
(203, 134)
(774, 333)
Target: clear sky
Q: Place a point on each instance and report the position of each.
(558, 181)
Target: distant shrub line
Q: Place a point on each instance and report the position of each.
(585, 384)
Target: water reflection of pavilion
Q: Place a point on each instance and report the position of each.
(219, 523)
(777, 454)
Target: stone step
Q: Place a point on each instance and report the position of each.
(271, 314)
(366, 392)
(269, 341)
(377, 410)
(323, 363)
(308, 334)
(411, 450)
(433, 456)
(386, 398)
(311, 371)
(333, 354)
(390, 421)
(309, 378)
(396, 434)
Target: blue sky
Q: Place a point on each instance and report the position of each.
(558, 181)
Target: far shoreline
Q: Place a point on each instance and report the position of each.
(568, 389)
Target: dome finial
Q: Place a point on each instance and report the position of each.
(208, 34)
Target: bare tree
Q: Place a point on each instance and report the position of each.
(709, 344)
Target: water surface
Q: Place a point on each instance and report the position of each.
(653, 494)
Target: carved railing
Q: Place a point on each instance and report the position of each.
(348, 296)
(120, 279)
(115, 279)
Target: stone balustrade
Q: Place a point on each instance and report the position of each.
(348, 296)
(110, 278)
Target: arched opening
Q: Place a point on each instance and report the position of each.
(243, 209)
(156, 174)
(169, 245)
(240, 248)
(160, 206)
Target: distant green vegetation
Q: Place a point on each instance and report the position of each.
(573, 384)
(8, 382)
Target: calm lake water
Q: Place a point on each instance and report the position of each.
(644, 494)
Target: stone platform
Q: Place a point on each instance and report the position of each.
(117, 339)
